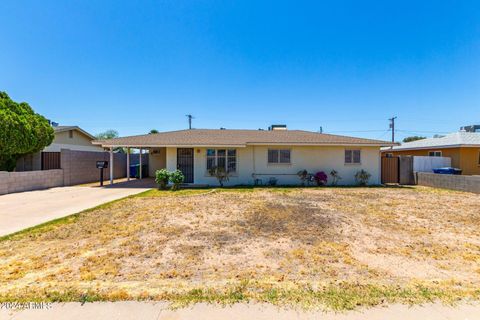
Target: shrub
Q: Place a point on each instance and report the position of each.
(272, 181)
(161, 178)
(220, 173)
(335, 177)
(320, 178)
(176, 178)
(305, 176)
(362, 177)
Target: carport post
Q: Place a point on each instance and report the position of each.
(140, 173)
(111, 165)
(128, 164)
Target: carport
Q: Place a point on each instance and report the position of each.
(128, 163)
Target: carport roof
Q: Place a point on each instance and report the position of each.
(238, 138)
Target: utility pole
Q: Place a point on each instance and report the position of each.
(190, 117)
(392, 126)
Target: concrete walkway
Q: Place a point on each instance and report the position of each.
(27, 209)
(160, 311)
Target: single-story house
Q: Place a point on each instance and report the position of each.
(250, 155)
(462, 147)
(66, 137)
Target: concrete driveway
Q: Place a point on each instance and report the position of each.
(27, 209)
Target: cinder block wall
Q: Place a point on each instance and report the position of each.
(80, 166)
(77, 167)
(30, 180)
(448, 181)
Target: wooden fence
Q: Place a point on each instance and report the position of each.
(50, 160)
(390, 170)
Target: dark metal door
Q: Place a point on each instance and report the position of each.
(185, 163)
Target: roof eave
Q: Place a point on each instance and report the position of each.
(437, 147)
(76, 128)
(117, 145)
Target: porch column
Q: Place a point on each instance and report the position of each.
(140, 160)
(128, 164)
(111, 165)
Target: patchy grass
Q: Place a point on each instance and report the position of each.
(334, 248)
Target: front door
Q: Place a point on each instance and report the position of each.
(185, 163)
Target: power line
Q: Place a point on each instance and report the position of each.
(420, 131)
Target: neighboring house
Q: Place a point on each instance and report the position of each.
(66, 137)
(462, 147)
(256, 154)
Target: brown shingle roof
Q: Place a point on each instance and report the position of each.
(212, 137)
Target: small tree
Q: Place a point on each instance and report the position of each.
(22, 131)
(362, 177)
(162, 177)
(220, 173)
(176, 178)
(153, 131)
(335, 177)
(320, 178)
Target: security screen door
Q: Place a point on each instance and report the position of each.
(185, 163)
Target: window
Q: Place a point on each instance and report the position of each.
(224, 158)
(435, 153)
(70, 134)
(389, 155)
(352, 156)
(281, 156)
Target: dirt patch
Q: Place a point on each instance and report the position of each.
(315, 237)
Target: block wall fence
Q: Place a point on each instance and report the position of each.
(77, 167)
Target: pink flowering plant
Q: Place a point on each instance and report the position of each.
(320, 178)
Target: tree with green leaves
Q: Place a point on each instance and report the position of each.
(153, 131)
(22, 131)
(413, 138)
(110, 134)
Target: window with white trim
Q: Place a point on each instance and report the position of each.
(279, 156)
(435, 153)
(353, 156)
(224, 158)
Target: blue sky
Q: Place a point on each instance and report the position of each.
(344, 65)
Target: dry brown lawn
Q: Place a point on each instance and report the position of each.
(337, 247)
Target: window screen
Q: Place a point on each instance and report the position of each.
(223, 158)
(279, 156)
(353, 156)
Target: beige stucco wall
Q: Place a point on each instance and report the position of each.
(156, 160)
(79, 141)
(253, 159)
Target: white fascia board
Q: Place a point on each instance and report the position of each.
(169, 146)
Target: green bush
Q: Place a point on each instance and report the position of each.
(162, 177)
(176, 178)
(362, 177)
(335, 177)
